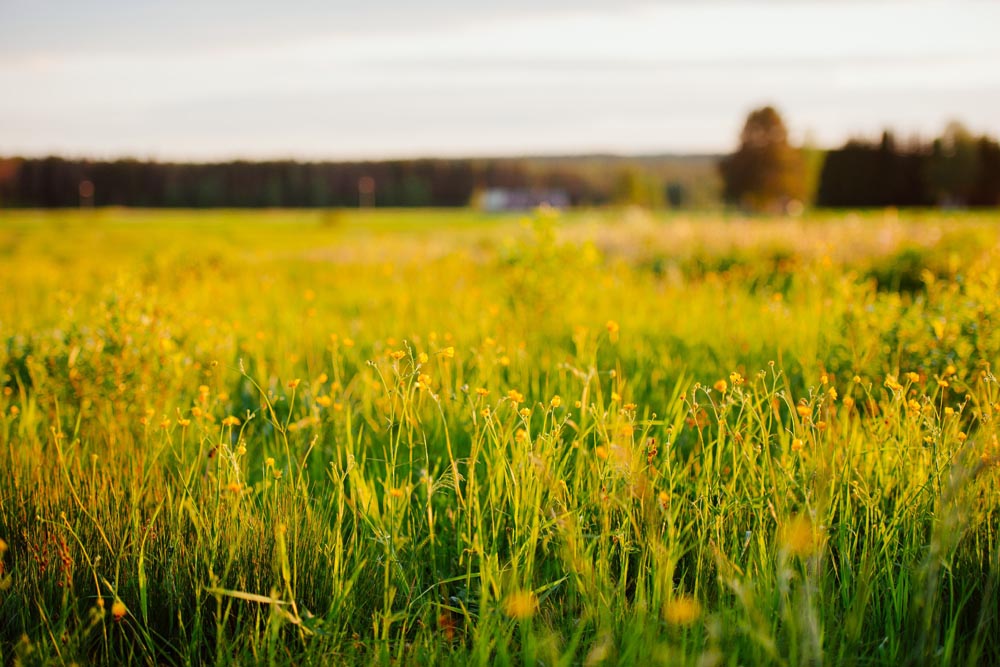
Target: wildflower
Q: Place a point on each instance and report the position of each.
(601, 452)
(798, 536)
(397, 493)
(241, 450)
(482, 392)
(613, 330)
(525, 412)
(323, 401)
(804, 411)
(234, 487)
(682, 610)
(118, 610)
(183, 422)
(446, 624)
(821, 425)
(448, 352)
(323, 377)
(165, 423)
(664, 499)
(848, 402)
(520, 436)
(520, 605)
(292, 384)
(424, 381)
(856, 379)
(913, 406)
(515, 396)
(720, 386)
(942, 383)
(824, 379)
(615, 397)
(913, 377)
(797, 445)
(950, 370)
(948, 412)
(629, 407)
(892, 383)
(15, 411)
(423, 358)
(231, 421)
(269, 462)
(736, 379)
(504, 360)
(396, 355)
(832, 394)
(555, 402)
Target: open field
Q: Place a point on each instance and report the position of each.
(411, 437)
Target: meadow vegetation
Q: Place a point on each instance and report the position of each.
(416, 437)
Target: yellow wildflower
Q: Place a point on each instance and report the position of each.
(520, 605)
(118, 610)
(798, 536)
(613, 330)
(682, 610)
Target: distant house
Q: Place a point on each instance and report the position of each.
(521, 199)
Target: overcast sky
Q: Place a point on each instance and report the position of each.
(334, 79)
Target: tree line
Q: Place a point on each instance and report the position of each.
(766, 173)
(585, 181)
(956, 169)
(59, 182)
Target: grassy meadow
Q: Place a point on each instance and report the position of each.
(415, 437)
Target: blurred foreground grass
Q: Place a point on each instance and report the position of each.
(336, 437)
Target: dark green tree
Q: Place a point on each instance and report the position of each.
(766, 172)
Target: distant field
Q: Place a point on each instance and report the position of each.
(411, 437)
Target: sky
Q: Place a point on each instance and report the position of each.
(314, 79)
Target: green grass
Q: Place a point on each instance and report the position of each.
(443, 437)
